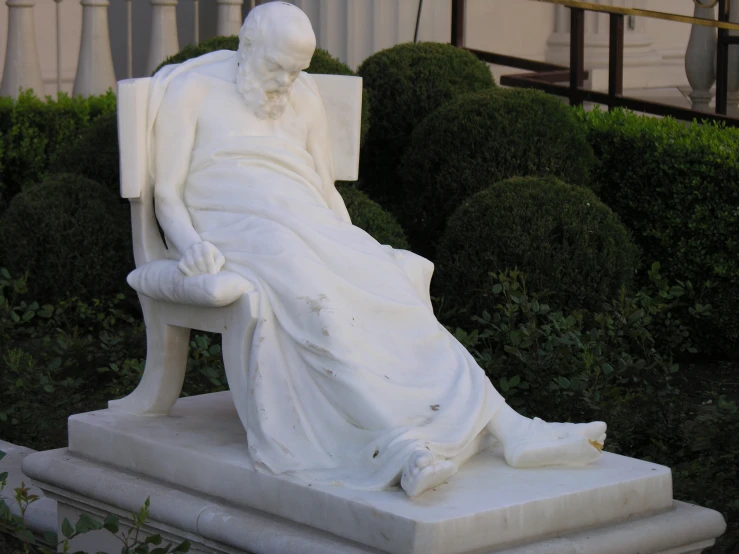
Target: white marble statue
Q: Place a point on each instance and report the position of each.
(352, 380)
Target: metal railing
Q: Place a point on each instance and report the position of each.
(549, 77)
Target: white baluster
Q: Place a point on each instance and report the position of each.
(229, 17)
(164, 42)
(58, 45)
(129, 39)
(700, 60)
(95, 73)
(359, 29)
(196, 21)
(22, 68)
(733, 76)
(332, 31)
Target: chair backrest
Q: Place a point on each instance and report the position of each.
(342, 97)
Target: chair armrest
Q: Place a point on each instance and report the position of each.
(162, 280)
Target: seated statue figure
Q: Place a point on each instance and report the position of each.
(352, 381)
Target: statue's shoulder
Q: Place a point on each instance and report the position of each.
(306, 92)
(199, 74)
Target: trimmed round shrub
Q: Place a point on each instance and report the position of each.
(564, 239)
(406, 83)
(370, 217)
(94, 154)
(194, 50)
(484, 138)
(72, 237)
(321, 63)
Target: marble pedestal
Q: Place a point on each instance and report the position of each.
(194, 466)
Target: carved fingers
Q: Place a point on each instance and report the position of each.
(201, 257)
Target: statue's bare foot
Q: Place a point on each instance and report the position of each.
(425, 471)
(595, 431)
(555, 444)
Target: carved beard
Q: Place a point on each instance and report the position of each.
(266, 104)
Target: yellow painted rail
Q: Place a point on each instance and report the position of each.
(647, 13)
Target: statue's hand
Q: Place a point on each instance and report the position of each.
(201, 257)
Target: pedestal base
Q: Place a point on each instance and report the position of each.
(195, 467)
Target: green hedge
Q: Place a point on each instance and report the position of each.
(370, 217)
(561, 237)
(94, 154)
(480, 139)
(71, 234)
(33, 131)
(406, 83)
(676, 186)
(321, 63)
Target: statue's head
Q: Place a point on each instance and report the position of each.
(275, 44)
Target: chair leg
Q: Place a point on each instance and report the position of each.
(166, 363)
(237, 341)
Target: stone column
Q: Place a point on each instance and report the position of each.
(164, 41)
(638, 50)
(22, 68)
(352, 30)
(733, 77)
(229, 17)
(95, 73)
(700, 60)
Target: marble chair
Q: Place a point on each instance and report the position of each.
(224, 303)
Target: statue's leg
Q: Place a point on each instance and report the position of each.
(166, 362)
(237, 342)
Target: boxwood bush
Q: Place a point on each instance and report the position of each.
(406, 83)
(482, 138)
(321, 63)
(94, 154)
(676, 186)
(370, 217)
(33, 131)
(71, 234)
(562, 237)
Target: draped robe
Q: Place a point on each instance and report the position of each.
(350, 371)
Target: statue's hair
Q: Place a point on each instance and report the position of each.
(252, 32)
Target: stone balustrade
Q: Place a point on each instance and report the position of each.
(349, 29)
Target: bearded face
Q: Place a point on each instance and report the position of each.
(265, 77)
(266, 100)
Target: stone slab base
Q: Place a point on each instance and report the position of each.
(214, 527)
(195, 466)
(41, 515)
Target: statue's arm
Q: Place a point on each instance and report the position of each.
(320, 148)
(175, 129)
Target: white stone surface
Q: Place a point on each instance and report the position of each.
(41, 515)
(700, 60)
(202, 446)
(22, 69)
(163, 41)
(229, 17)
(95, 73)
